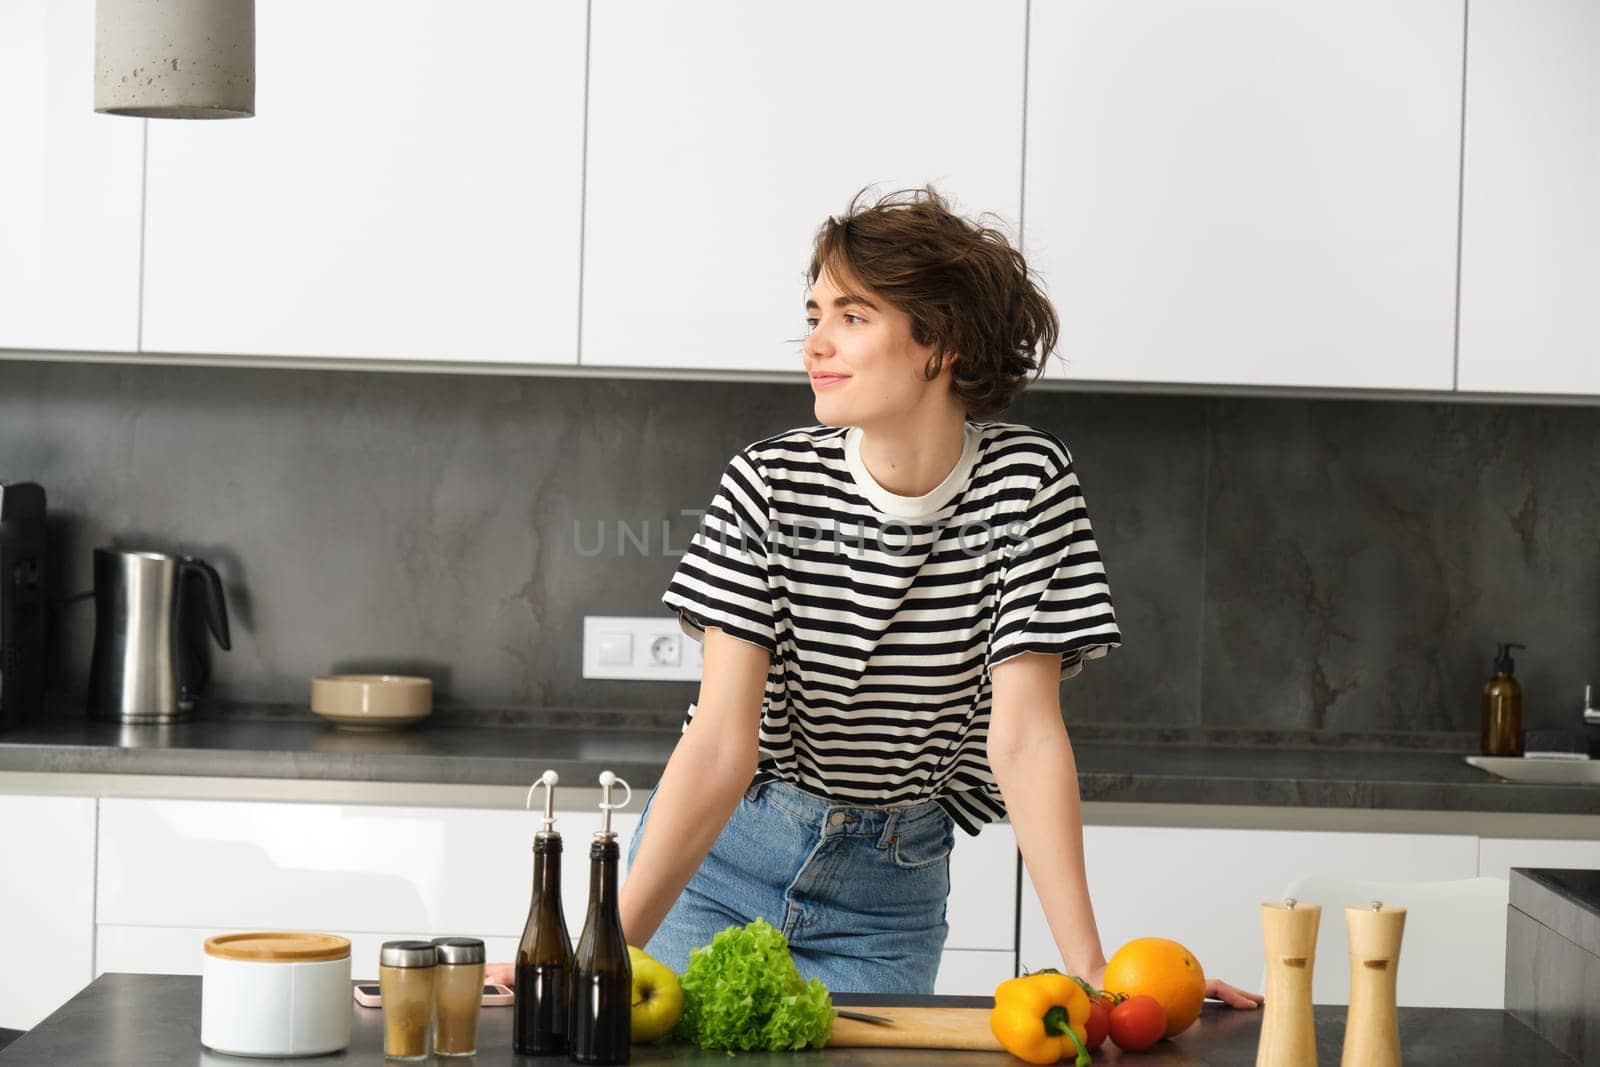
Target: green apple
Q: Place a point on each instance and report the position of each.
(657, 997)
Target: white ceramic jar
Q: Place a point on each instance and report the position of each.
(275, 994)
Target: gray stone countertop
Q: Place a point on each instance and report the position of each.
(1419, 772)
(1566, 901)
(127, 1019)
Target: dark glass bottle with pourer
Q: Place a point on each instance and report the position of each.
(602, 977)
(544, 955)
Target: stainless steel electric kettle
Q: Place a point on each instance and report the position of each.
(147, 665)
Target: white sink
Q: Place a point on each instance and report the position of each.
(1540, 771)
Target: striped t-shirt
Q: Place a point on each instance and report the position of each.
(885, 614)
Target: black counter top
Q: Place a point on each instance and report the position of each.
(1422, 772)
(126, 1019)
(473, 754)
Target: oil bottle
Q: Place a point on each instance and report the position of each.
(602, 977)
(544, 955)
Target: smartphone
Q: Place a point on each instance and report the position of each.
(369, 995)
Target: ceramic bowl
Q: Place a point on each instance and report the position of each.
(371, 701)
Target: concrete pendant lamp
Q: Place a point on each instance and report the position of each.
(175, 59)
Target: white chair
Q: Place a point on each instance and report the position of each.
(1453, 951)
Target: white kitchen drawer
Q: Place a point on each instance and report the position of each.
(1204, 887)
(344, 868)
(176, 950)
(46, 904)
(983, 890)
(973, 974)
(1496, 855)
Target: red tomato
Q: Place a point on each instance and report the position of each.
(1137, 1023)
(1098, 1026)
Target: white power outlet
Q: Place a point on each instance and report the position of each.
(651, 649)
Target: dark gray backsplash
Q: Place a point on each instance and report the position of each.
(1345, 565)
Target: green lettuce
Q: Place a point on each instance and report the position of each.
(744, 992)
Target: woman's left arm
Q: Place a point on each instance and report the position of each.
(1031, 757)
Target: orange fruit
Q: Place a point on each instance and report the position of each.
(1163, 969)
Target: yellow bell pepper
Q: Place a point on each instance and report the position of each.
(1041, 1018)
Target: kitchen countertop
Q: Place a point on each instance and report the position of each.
(1566, 901)
(1129, 765)
(1553, 957)
(126, 1019)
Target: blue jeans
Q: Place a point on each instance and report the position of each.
(859, 892)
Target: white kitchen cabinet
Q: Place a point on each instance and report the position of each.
(722, 134)
(408, 188)
(172, 950)
(980, 950)
(1530, 219)
(217, 866)
(1204, 887)
(1497, 855)
(174, 872)
(69, 188)
(971, 973)
(181, 950)
(982, 910)
(46, 904)
(1247, 192)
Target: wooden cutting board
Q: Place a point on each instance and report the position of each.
(956, 1028)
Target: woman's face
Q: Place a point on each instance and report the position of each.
(864, 366)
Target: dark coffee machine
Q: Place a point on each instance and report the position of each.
(23, 602)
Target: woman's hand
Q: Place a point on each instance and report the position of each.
(1216, 989)
(1232, 996)
(501, 974)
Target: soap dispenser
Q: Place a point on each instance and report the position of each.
(1502, 707)
(1591, 724)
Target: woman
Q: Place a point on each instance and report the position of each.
(888, 603)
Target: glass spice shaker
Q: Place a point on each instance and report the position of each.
(405, 978)
(457, 995)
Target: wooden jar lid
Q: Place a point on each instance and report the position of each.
(286, 946)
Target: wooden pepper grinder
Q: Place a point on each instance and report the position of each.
(1288, 1037)
(1372, 1028)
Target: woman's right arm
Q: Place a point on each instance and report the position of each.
(708, 772)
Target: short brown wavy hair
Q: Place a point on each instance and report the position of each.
(969, 294)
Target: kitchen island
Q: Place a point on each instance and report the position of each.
(1553, 957)
(130, 1020)
(143, 841)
